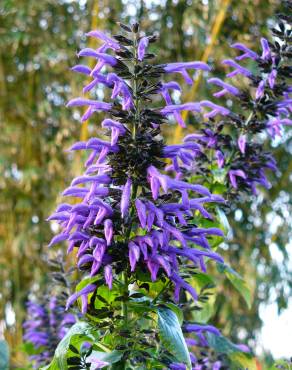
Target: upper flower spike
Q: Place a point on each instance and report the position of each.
(124, 187)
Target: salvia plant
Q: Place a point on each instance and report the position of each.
(149, 217)
(47, 321)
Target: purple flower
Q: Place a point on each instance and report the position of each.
(238, 69)
(108, 231)
(183, 67)
(111, 43)
(272, 78)
(216, 109)
(266, 55)
(83, 293)
(235, 173)
(125, 201)
(220, 158)
(105, 58)
(134, 254)
(108, 274)
(227, 88)
(260, 90)
(120, 87)
(177, 366)
(176, 109)
(142, 45)
(116, 127)
(46, 323)
(242, 143)
(164, 90)
(247, 53)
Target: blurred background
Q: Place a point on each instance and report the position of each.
(39, 41)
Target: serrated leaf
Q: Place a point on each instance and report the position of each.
(172, 337)
(238, 282)
(4, 355)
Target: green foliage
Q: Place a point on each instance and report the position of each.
(238, 282)
(79, 332)
(172, 337)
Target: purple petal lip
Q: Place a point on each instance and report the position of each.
(176, 67)
(77, 102)
(238, 69)
(143, 44)
(81, 69)
(173, 85)
(248, 53)
(170, 109)
(102, 36)
(226, 87)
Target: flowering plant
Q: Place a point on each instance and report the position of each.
(147, 223)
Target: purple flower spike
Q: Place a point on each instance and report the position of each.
(143, 44)
(125, 201)
(220, 158)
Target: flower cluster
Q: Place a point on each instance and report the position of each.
(231, 143)
(135, 214)
(47, 321)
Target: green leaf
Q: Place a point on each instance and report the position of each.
(172, 337)
(238, 357)
(110, 357)
(238, 282)
(224, 223)
(4, 355)
(78, 333)
(176, 310)
(221, 344)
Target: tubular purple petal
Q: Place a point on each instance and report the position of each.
(142, 45)
(125, 200)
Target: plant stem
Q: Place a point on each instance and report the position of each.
(124, 303)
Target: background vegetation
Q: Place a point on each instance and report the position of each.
(38, 41)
